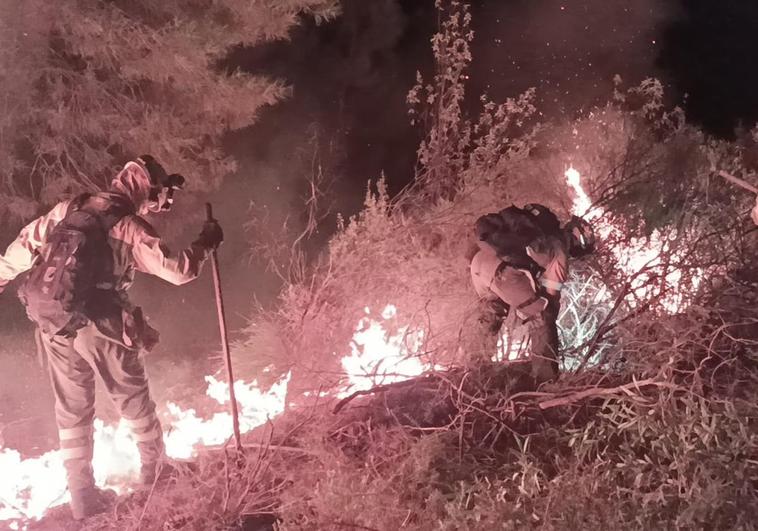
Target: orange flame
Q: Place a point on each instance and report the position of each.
(32, 486)
(378, 357)
(638, 254)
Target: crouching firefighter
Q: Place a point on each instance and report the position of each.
(518, 272)
(82, 257)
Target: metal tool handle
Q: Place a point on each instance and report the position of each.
(224, 336)
(739, 182)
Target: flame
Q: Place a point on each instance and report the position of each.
(380, 354)
(380, 357)
(636, 255)
(32, 486)
(582, 202)
(511, 348)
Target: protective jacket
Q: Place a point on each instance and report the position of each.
(500, 282)
(551, 255)
(135, 246)
(111, 343)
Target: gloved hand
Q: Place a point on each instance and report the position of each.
(754, 212)
(211, 236)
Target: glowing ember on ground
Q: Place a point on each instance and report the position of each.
(379, 357)
(30, 487)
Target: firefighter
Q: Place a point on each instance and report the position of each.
(113, 339)
(519, 274)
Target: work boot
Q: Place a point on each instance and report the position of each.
(544, 351)
(90, 501)
(161, 473)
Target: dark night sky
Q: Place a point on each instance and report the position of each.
(351, 76)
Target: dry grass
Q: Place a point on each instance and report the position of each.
(653, 421)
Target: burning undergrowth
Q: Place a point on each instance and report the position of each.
(653, 421)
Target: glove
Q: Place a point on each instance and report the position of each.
(754, 212)
(211, 236)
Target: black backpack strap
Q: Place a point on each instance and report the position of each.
(78, 202)
(528, 265)
(108, 209)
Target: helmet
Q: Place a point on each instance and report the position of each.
(581, 237)
(545, 218)
(162, 185)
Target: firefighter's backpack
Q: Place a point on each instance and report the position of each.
(513, 229)
(75, 262)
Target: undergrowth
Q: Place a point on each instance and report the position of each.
(652, 423)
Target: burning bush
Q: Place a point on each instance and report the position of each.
(653, 420)
(658, 332)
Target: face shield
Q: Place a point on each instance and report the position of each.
(162, 185)
(161, 197)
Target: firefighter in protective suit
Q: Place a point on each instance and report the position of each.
(110, 344)
(523, 280)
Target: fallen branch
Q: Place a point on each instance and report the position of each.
(603, 391)
(376, 389)
(250, 446)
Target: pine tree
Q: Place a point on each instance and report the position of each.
(87, 84)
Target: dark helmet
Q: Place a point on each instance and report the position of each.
(162, 184)
(545, 218)
(581, 237)
(488, 225)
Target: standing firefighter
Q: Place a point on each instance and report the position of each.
(82, 257)
(518, 271)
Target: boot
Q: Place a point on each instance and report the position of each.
(544, 351)
(90, 501)
(159, 472)
(163, 471)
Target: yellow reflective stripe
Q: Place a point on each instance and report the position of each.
(74, 433)
(150, 435)
(142, 422)
(79, 452)
(551, 284)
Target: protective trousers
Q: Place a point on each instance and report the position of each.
(515, 287)
(73, 364)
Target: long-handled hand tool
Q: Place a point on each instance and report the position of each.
(739, 182)
(224, 338)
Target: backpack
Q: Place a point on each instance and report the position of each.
(513, 229)
(74, 264)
